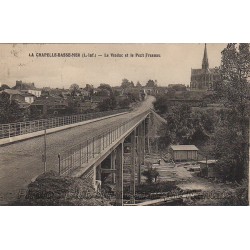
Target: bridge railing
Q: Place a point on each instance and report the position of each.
(21, 128)
(92, 147)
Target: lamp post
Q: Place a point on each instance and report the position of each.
(45, 148)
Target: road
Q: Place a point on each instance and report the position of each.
(21, 162)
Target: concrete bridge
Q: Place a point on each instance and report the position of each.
(118, 151)
(112, 146)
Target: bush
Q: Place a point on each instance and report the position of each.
(151, 174)
(51, 189)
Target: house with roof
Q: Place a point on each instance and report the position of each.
(85, 106)
(119, 91)
(20, 97)
(209, 168)
(56, 91)
(98, 99)
(162, 90)
(49, 104)
(184, 152)
(150, 90)
(84, 92)
(28, 88)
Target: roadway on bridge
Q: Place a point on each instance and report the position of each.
(22, 161)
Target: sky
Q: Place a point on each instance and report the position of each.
(173, 66)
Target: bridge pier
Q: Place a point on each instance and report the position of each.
(147, 121)
(98, 173)
(137, 157)
(132, 167)
(122, 163)
(113, 160)
(119, 175)
(143, 142)
(97, 178)
(140, 149)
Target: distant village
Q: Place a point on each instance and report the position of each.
(25, 101)
(36, 103)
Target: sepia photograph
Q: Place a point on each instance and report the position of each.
(124, 124)
(127, 124)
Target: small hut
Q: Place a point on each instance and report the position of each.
(184, 152)
(208, 168)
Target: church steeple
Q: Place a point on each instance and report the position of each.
(205, 64)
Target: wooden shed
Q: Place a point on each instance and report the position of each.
(184, 152)
(208, 168)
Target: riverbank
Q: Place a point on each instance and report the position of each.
(212, 192)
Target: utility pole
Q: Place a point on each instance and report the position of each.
(45, 148)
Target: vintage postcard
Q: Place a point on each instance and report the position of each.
(124, 124)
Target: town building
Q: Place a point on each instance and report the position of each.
(150, 90)
(204, 78)
(84, 92)
(118, 91)
(189, 102)
(98, 99)
(85, 106)
(20, 97)
(49, 105)
(184, 152)
(57, 92)
(162, 90)
(208, 168)
(28, 88)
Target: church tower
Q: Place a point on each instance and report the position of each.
(204, 78)
(205, 64)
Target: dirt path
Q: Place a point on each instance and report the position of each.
(189, 181)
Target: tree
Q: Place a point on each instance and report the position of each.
(235, 70)
(161, 105)
(9, 111)
(151, 83)
(234, 90)
(151, 174)
(124, 103)
(133, 96)
(103, 92)
(228, 151)
(184, 125)
(138, 85)
(4, 86)
(107, 104)
(74, 89)
(104, 86)
(127, 84)
(178, 87)
(199, 136)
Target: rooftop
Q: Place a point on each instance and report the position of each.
(208, 161)
(184, 147)
(202, 71)
(16, 92)
(49, 100)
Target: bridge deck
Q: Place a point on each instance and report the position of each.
(22, 161)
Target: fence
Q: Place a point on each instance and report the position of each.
(89, 149)
(21, 128)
